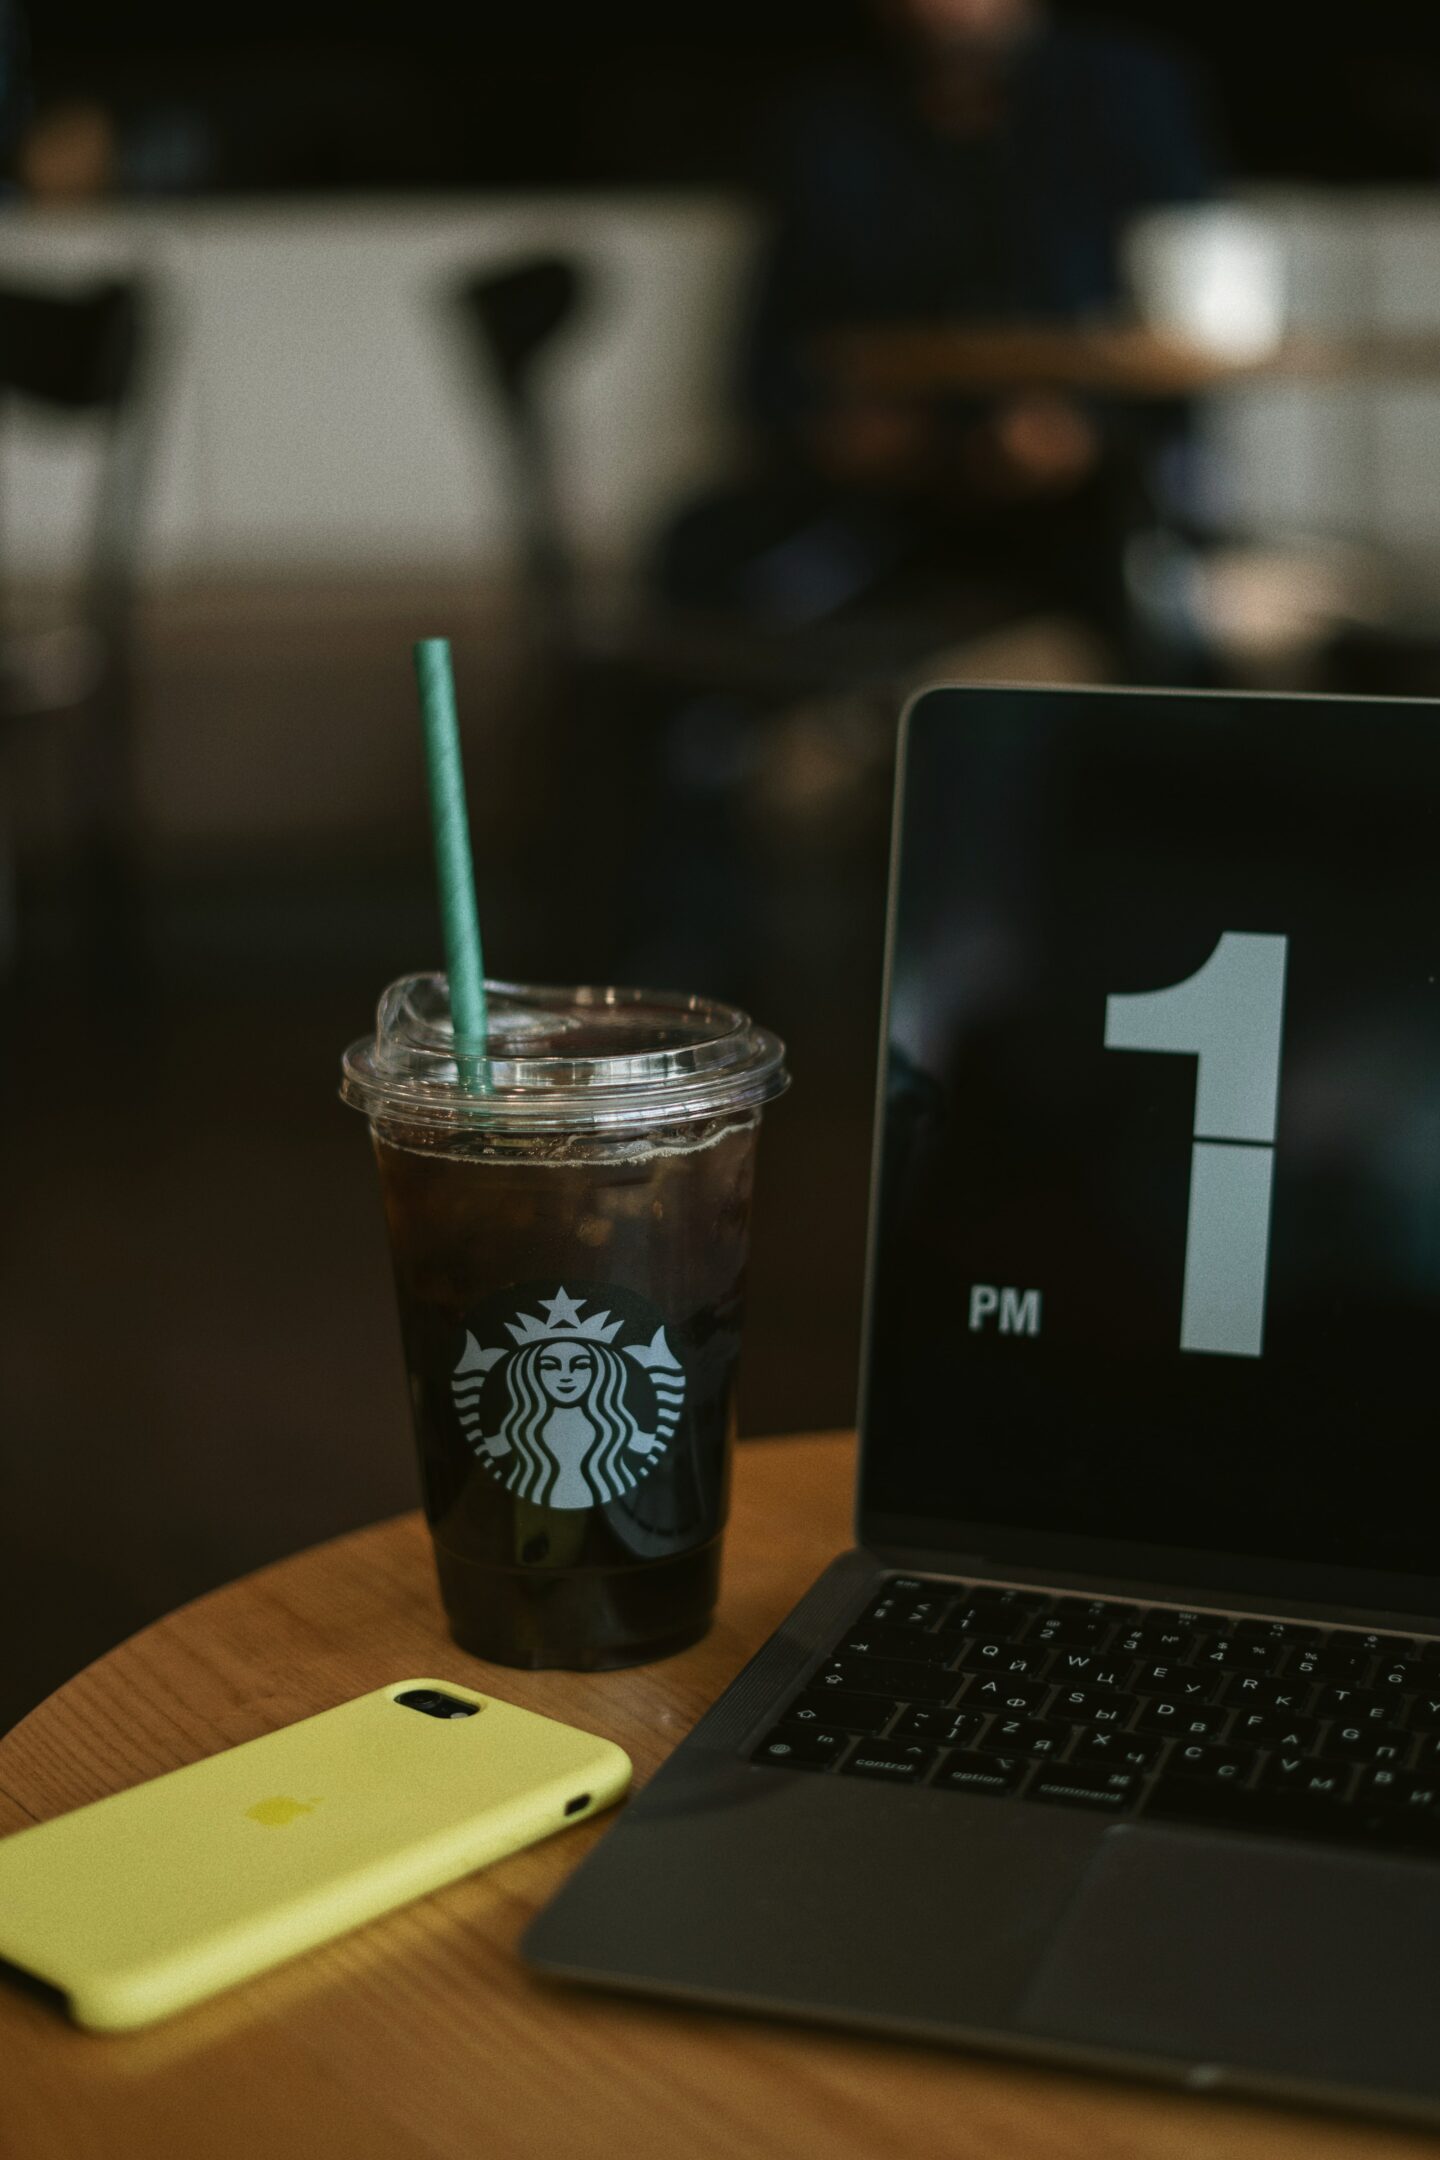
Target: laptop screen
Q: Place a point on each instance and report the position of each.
(1156, 1245)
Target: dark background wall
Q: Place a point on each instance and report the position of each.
(312, 94)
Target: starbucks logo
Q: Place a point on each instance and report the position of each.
(568, 1413)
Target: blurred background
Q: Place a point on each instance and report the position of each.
(712, 378)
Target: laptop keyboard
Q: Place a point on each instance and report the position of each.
(1270, 1726)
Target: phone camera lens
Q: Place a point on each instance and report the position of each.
(432, 1703)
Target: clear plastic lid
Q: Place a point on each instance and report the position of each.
(560, 1060)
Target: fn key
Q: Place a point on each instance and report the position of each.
(802, 1747)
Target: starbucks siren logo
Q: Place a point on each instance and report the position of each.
(572, 1433)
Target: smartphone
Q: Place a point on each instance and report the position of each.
(143, 1903)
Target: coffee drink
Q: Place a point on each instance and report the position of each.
(569, 1243)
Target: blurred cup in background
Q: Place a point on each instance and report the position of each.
(1210, 274)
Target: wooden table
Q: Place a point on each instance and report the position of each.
(422, 2035)
(1119, 360)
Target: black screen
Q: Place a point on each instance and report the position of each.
(1182, 1291)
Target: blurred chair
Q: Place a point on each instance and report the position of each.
(514, 315)
(80, 352)
(677, 728)
(671, 723)
(515, 318)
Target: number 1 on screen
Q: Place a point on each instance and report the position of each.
(1229, 1016)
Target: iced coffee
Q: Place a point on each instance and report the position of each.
(568, 1218)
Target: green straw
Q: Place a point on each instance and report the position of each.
(454, 864)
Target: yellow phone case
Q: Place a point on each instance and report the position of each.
(155, 1898)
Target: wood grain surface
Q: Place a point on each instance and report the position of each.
(923, 360)
(421, 2035)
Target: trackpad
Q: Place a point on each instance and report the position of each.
(1293, 1962)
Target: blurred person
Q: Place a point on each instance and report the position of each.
(80, 151)
(67, 153)
(986, 173)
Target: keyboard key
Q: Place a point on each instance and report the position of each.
(1254, 1693)
(893, 1594)
(1189, 1616)
(1197, 1758)
(1388, 1787)
(1091, 1668)
(1354, 1705)
(1328, 1661)
(1368, 1743)
(890, 1676)
(1072, 1632)
(791, 1748)
(1228, 1655)
(1192, 1721)
(899, 1642)
(1389, 1647)
(1276, 1729)
(1001, 1597)
(1080, 1785)
(847, 1713)
(990, 1623)
(890, 1760)
(1005, 1657)
(942, 1728)
(1096, 1608)
(880, 1612)
(982, 1773)
(1223, 1806)
(918, 1615)
(1301, 1773)
(1098, 1706)
(1102, 1744)
(1024, 1736)
(1423, 1713)
(1290, 1632)
(1156, 1642)
(907, 1602)
(1001, 1691)
(1185, 1682)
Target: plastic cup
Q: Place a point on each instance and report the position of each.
(569, 1219)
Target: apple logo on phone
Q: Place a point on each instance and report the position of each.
(276, 1812)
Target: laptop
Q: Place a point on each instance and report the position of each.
(1115, 1741)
